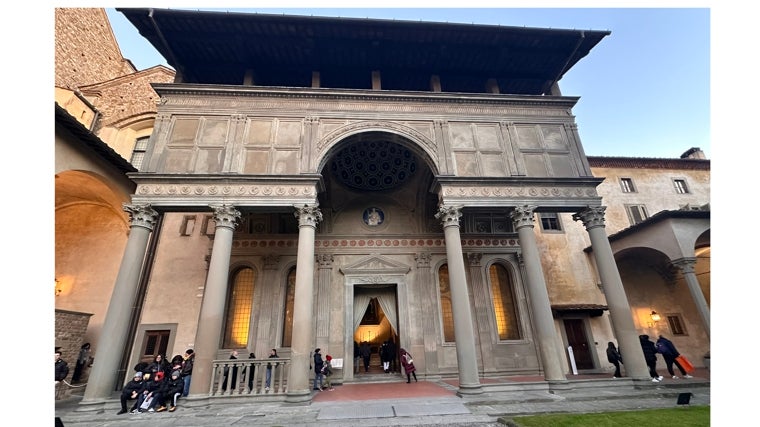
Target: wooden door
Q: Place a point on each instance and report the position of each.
(154, 343)
(577, 338)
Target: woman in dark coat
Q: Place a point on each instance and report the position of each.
(160, 364)
(408, 364)
(669, 353)
(614, 357)
(650, 355)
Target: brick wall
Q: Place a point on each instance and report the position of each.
(70, 327)
(130, 97)
(86, 51)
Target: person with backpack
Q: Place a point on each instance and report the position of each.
(326, 373)
(669, 353)
(650, 356)
(614, 357)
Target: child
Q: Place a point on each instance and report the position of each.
(327, 372)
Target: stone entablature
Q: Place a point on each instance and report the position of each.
(194, 191)
(562, 195)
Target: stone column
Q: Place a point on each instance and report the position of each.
(620, 310)
(469, 383)
(299, 389)
(546, 334)
(686, 265)
(325, 263)
(212, 316)
(113, 337)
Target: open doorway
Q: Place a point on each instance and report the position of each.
(376, 329)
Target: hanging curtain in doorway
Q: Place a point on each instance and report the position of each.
(387, 300)
(361, 302)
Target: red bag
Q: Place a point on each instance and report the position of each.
(685, 364)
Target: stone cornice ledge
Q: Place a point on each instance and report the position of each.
(362, 94)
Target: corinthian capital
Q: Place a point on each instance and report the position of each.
(592, 217)
(449, 215)
(522, 216)
(308, 215)
(225, 216)
(141, 215)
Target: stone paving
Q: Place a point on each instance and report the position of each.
(392, 404)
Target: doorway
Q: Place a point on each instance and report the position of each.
(376, 328)
(575, 329)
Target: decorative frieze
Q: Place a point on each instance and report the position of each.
(375, 243)
(225, 190)
(518, 191)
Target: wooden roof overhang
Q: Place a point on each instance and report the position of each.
(282, 50)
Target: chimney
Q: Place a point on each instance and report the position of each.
(693, 153)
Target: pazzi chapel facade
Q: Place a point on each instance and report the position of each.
(301, 182)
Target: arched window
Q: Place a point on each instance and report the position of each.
(446, 313)
(239, 304)
(504, 306)
(287, 326)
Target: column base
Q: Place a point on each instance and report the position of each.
(298, 397)
(469, 390)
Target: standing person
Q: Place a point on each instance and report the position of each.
(327, 372)
(385, 356)
(357, 355)
(366, 352)
(650, 355)
(233, 383)
(614, 357)
(130, 391)
(272, 355)
(61, 367)
(392, 351)
(318, 364)
(251, 369)
(669, 353)
(187, 370)
(82, 359)
(408, 364)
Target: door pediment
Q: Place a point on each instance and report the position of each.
(373, 265)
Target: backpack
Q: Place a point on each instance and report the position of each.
(661, 348)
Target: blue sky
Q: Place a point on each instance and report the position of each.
(644, 89)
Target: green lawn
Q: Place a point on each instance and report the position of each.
(687, 416)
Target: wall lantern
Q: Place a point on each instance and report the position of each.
(655, 317)
(58, 289)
